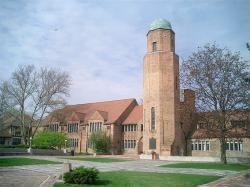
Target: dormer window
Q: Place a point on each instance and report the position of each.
(73, 127)
(154, 46)
(95, 126)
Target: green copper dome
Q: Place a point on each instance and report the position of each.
(160, 24)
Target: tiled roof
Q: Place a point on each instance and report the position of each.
(135, 116)
(235, 133)
(202, 133)
(111, 110)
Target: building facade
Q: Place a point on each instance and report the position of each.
(166, 123)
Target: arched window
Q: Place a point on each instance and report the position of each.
(153, 118)
(154, 46)
(152, 143)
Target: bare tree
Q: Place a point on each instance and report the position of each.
(35, 92)
(217, 77)
(19, 89)
(248, 46)
(49, 94)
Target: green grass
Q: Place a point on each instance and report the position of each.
(144, 179)
(4, 162)
(218, 166)
(96, 159)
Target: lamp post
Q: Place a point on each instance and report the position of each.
(66, 166)
(29, 150)
(65, 146)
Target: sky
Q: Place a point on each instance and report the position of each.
(101, 44)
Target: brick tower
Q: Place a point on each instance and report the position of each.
(161, 92)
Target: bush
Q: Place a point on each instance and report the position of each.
(100, 141)
(49, 140)
(21, 146)
(81, 175)
(14, 146)
(43, 147)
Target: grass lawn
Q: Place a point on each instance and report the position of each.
(144, 179)
(4, 162)
(96, 159)
(218, 166)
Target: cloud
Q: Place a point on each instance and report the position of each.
(102, 44)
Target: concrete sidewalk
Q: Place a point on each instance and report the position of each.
(13, 177)
(46, 175)
(241, 179)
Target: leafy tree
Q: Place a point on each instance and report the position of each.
(216, 75)
(49, 140)
(100, 141)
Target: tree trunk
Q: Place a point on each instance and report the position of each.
(223, 156)
(186, 147)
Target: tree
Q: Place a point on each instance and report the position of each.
(50, 140)
(248, 46)
(216, 75)
(101, 142)
(35, 92)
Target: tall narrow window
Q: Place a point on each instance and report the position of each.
(153, 118)
(154, 46)
(152, 143)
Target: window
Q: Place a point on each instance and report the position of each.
(95, 126)
(172, 43)
(15, 131)
(2, 140)
(141, 127)
(234, 145)
(53, 127)
(152, 143)
(196, 146)
(73, 142)
(72, 127)
(16, 141)
(200, 146)
(129, 144)
(154, 46)
(207, 145)
(153, 118)
(129, 128)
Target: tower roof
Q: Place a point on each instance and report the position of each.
(160, 24)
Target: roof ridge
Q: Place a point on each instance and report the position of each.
(101, 102)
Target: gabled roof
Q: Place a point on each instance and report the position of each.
(109, 110)
(97, 114)
(135, 116)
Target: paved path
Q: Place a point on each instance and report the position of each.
(135, 165)
(38, 173)
(237, 180)
(11, 177)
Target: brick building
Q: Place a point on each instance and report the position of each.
(165, 124)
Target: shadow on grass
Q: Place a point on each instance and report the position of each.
(102, 182)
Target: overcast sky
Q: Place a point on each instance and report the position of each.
(101, 44)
